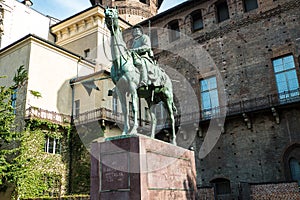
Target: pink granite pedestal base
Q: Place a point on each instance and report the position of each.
(138, 167)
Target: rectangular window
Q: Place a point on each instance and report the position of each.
(250, 5)
(154, 38)
(286, 78)
(209, 97)
(87, 53)
(77, 108)
(174, 32)
(222, 11)
(115, 105)
(197, 21)
(52, 145)
(14, 100)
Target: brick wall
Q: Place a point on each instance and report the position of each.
(282, 191)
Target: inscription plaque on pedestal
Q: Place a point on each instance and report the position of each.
(114, 169)
(138, 167)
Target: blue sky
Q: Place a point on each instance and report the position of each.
(62, 9)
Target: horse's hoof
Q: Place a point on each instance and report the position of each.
(124, 133)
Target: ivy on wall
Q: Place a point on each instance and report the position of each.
(24, 164)
(41, 173)
(9, 139)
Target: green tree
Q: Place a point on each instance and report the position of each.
(9, 139)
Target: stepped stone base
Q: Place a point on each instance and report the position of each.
(137, 167)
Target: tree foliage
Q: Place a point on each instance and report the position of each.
(9, 140)
(24, 166)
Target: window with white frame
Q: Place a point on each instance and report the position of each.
(209, 97)
(52, 145)
(286, 77)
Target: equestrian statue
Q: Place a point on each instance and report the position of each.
(135, 72)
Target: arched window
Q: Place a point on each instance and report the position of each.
(222, 186)
(291, 158)
(197, 21)
(295, 169)
(174, 31)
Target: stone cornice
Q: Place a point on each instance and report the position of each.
(83, 34)
(82, 24)
(35, 39)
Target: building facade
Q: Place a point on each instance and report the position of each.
(18, 19)
(239, 60)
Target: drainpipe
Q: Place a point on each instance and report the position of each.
(71, 138)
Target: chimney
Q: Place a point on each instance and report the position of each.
(27, 3)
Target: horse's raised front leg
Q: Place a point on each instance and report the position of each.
(123, 102)
(134, 98)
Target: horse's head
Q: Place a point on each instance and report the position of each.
(111, 18)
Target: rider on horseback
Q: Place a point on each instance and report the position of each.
(141, 51)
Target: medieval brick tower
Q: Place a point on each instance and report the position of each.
(133, 11)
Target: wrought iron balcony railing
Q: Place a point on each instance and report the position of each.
(234, 108)
(255, 104)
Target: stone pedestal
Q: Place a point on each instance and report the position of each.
(138, 167)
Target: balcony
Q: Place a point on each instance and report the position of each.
(116, 117)
(235, 108)
(54, 117)
(252, 105)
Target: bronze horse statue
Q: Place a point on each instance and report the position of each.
(126, 77)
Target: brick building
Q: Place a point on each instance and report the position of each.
(252, 69)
